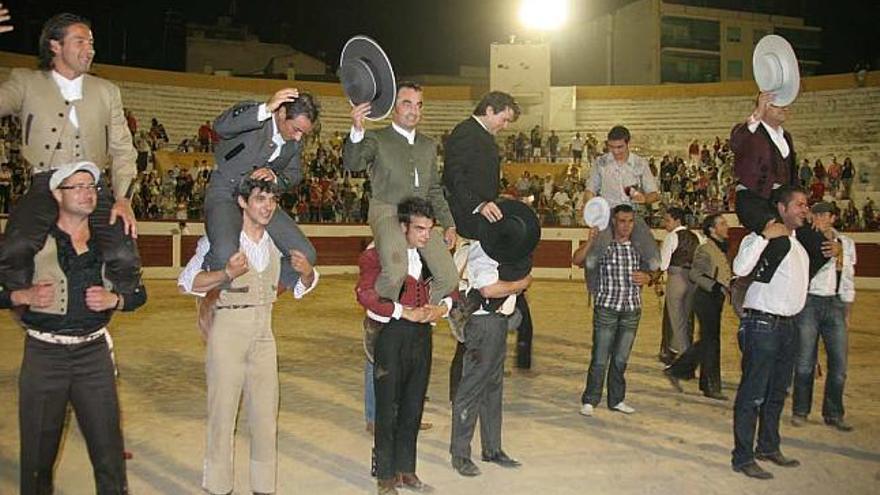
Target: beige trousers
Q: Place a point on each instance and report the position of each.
(241, 356)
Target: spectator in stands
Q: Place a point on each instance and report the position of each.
(536, 139)
(5, 187)
(834, 170)
(805, 174)
(869, 214)
(263, 140)
(817, 190)
(819, 170)
(131, 121)
(157, 132)
(577, 148)
(847, 174)
(553, 146)
(206, 138)
(851, 217)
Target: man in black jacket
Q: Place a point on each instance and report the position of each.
(472, 165)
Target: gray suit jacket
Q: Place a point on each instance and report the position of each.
(246, 144)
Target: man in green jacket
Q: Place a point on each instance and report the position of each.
(402, 162)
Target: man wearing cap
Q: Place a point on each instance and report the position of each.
(68, 351)
(241, 355)
(262, 141)
(402, 162)
(68, 116)
(617, 310)
(402, 354)
(498, 270)
(622, 177)
(676, 257)
(830, 293)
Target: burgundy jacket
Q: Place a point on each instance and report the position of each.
(415, 292)
(758, 163)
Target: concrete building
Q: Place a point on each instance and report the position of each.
(654, 41)
(228, 49)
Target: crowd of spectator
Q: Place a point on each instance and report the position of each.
(700, 182)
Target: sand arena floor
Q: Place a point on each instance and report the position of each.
(675, 443)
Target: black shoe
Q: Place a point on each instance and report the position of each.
(501, 459)
(778, 459)
(465, 466)
(673, 380)
(839, 423)
(717, 395)
(753, 470)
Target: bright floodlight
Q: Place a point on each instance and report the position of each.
(545, 15)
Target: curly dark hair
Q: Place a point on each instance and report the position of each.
(414, 207)
(248, 184)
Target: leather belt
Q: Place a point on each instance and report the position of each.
(54, 338)
(763, 314)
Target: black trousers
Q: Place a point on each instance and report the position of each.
(401, 373)
(53, 376)
(29, 225)
(706, 353)
(524, 334)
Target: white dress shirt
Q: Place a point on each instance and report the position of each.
(670, 244)
(776, 135)
(263, 114)
(786, 293)
(71, 90)
(257, 254)
(355, 136)
(482, 271)
(824, 282)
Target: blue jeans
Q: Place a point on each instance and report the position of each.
(613, 335)
(369, 393)
(825, 316)
(767, 344)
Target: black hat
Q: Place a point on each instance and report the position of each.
(512, 238)
(367, 76)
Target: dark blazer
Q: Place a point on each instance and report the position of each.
(246, 144)
(471, 173)
(758, 163)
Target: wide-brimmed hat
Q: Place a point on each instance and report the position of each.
(597, 213)
(367, 76)
(776, 70)
(514, 237)
(64, 171)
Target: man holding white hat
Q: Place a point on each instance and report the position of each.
(67, 356)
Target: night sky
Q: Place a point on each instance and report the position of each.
(421, 37)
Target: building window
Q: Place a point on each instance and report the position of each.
(689, 67)
(734, 69)
(689, 33)
(758, 34)
(734, 34)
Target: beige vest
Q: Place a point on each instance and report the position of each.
(254, 288)
(47, 268)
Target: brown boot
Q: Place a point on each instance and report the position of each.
(412, 482)
(387, 486)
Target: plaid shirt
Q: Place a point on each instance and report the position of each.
(616, 288)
